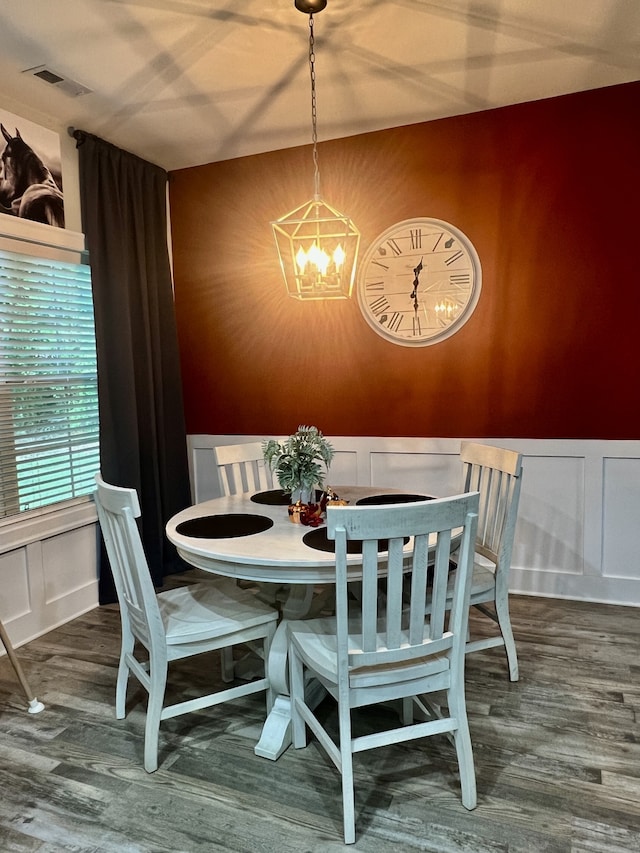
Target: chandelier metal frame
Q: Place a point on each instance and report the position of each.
(317, 245)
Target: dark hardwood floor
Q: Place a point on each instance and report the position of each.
(557, 756)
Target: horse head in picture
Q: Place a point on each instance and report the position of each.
(27, 187)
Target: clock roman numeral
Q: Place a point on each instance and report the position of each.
(416, 238)
(375, 285)
(435, 245)
(394, 247)
(460, 279)
(380, 264)
(379, 305)
(453, 258)
(416, 326)
(395, 321)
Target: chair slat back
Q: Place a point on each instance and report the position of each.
(497, 474)
(394, 633)
(117, 510)
(242, 469)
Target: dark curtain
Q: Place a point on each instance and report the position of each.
(142, 430)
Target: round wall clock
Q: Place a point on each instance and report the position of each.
(419, 282)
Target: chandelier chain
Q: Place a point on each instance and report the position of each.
(314, 111)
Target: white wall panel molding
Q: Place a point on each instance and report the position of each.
(620, 484)
(579, 510)
(579, 507)
(19, 531)
(48, 569)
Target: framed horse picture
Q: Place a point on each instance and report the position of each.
(30, 171)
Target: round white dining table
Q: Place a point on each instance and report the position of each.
(213, 536)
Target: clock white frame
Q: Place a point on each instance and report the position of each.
(408, 243)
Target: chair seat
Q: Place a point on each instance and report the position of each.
(211, 609)
(483, 580)
(316, 640)
(482, 586)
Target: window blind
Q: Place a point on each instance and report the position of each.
(49, 448)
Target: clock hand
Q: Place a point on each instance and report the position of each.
(416, 282)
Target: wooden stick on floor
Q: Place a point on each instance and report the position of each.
(34, 705)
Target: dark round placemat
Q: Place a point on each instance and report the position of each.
(274, 497)
(226, 526)
(277, 497)
(318, 539)
(381, 500)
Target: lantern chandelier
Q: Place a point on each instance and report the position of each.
(317, 245)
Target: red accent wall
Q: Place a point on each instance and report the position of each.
(548, 192)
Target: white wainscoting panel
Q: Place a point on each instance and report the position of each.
(620, 550)
(579, 512)
(48, 569)
(550, 520)
(579, 506)
(14, 582)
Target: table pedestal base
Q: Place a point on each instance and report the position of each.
(276, 732)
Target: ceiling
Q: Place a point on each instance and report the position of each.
(185, 82)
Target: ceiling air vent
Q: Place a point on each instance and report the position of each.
(65, 84)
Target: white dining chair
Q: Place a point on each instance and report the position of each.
(497, 474)
(242, 469)
(377, 649)
(174, 624)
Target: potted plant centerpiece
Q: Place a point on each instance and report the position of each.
(300, 462)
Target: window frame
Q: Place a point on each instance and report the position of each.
(43, 241)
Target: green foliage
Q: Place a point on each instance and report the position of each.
(301, 461)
